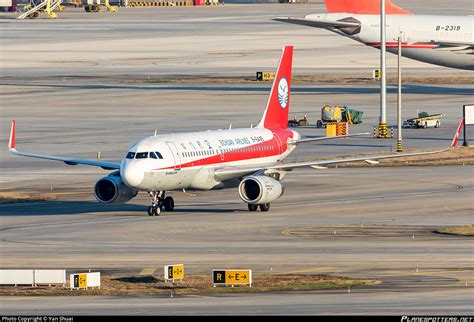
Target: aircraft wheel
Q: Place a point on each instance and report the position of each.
(265, 207)
(169, 204)
(150, 211)
(157, 210)
(252, 207)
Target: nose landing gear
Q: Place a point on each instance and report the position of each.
(158, 201)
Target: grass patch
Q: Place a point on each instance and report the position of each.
(194, 284)
(14, 197)
(467, 230)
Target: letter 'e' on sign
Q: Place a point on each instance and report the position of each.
(174, 272)
(232, 277)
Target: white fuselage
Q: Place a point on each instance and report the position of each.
(188, 160)
(418, 32)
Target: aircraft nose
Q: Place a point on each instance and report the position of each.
(131, 174)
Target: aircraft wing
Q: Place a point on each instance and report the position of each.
(67, 160)
(227, 173)
(371, 160)
(318, 23)
(454, 45)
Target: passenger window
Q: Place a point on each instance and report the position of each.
(141, 155)
(130, 155)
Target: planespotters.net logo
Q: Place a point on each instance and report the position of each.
(437, 319)
(283, 92)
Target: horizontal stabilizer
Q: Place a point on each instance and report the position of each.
(317, 23)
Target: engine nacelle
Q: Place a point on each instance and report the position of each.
(112, 189)
(260, 189)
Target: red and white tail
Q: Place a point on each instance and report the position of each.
(369, 7)
(457, 134)
(278, 105)
(11, 142)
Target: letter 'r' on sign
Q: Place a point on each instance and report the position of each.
(218, 277)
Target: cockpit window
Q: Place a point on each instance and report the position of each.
(153, 155)
(158, 154)
(130, 155)
(141, 155)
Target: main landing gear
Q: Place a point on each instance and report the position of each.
(263, 207)
(158, 202)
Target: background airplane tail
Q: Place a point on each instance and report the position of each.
(278, 105)
(371, 7)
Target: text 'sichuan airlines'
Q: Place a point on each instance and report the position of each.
(248, 158)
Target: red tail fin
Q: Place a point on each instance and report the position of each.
(276, 113)
(457, 134)
(370, 7)
(11, 143)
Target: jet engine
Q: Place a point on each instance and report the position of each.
(260, 189)
(112, 189)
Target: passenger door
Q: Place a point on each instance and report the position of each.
(176, 156)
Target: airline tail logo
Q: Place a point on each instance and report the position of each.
(278, 105)
(283, 92)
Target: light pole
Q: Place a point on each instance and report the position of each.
(383, 80)
(399, 97)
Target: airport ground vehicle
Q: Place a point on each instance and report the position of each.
(330, 114)
(424, 120)
(301, 122)
(248, 159)
(335, 114)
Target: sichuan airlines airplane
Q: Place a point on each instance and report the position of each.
(248, 158)
(435, 39)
